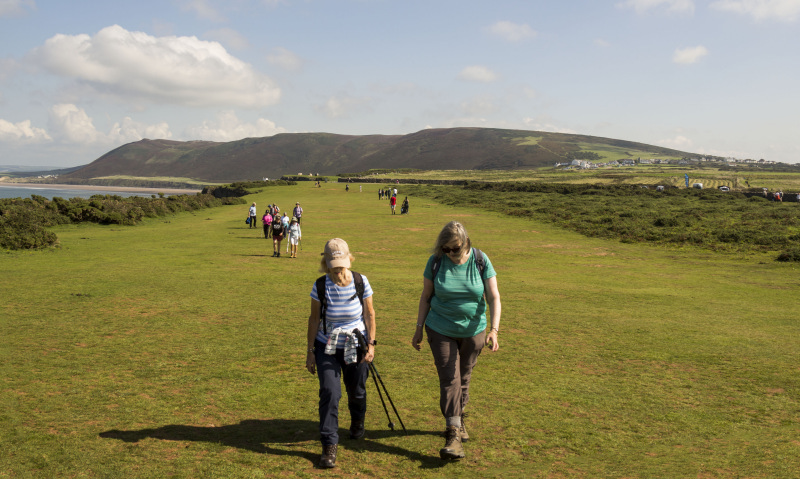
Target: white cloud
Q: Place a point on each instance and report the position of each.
(680, 142)
(510, 31)
(22, 131)
(671, 6)
(15, 7)
(173, 70)
(537, 124)
(202, 8)
(479, 106)
(784, 10)
(129, 130)
(71, 124)
(228, 127)
(285, 59)
(478, 73)
(689, 55)
(230, 37)
(343, 106)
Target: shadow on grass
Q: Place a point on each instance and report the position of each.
(271, 436)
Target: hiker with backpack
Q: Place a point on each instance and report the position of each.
(278, 232)
(252, 217)
(266, 220)
(341, 302)
(459, 283)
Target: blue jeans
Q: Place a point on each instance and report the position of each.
(330, 368)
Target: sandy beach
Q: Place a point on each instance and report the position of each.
(128, 189)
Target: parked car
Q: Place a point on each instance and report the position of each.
(724, 188)
(699, 186)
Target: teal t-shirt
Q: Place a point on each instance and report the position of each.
(458, 309)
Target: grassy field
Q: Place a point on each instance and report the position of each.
(176, 348)
(668, 175)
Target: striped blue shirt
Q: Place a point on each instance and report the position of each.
(342, 311)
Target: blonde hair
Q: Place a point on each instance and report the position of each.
(451, 231)
(323, 264)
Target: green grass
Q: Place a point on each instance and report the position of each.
(176, 349)
(188, 181)
(743, 178)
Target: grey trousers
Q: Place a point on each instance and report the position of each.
(454, 359)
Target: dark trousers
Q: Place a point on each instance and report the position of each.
(454, 358)
(253, 222)
(330, 370)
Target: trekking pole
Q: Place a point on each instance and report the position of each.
(391, 424)
(388, 397)
(375, 374)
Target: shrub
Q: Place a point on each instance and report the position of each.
(791, 255)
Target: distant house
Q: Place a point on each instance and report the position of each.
(629, 162)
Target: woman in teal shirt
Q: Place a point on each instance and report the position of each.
(459, 283)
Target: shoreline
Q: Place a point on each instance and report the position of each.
(126, 189)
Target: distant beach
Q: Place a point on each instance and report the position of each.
(25, 190)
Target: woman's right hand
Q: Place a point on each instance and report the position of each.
(311, 362)
(417, 339)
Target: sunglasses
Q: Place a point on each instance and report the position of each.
(447, 250)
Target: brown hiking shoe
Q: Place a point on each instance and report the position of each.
(463, 429)
(452, 447)
(328, 458)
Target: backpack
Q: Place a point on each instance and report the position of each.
(479, 260)
(323, 303)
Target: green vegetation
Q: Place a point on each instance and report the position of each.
(175, 348)
(680, 217)
(128, 181)
(23, 222)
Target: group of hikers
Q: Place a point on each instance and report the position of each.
(278, 227)
(391, 193)
(459, 312)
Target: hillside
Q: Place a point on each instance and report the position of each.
(329, 154)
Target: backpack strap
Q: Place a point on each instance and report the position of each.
(359, 284)
(480, 261)
(323, 303)
(358, 281)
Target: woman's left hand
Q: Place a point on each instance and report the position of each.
(370, 354)
(491, 340)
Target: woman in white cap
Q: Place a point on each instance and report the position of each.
(294, 236)
(341, 302)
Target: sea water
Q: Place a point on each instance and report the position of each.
(18, 191)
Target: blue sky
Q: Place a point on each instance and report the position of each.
(80, 78)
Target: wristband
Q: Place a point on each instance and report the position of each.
(420, 325)
(494, 329)
(310, 350)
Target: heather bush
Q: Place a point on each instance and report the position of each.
(23, 222)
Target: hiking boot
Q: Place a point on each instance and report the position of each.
(463, 430)
(357, 429)
(328, 458)
(452, 447)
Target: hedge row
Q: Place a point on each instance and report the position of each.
(23, 222)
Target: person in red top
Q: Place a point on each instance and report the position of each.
(393, 202)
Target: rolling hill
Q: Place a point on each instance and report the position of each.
(329, 154)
